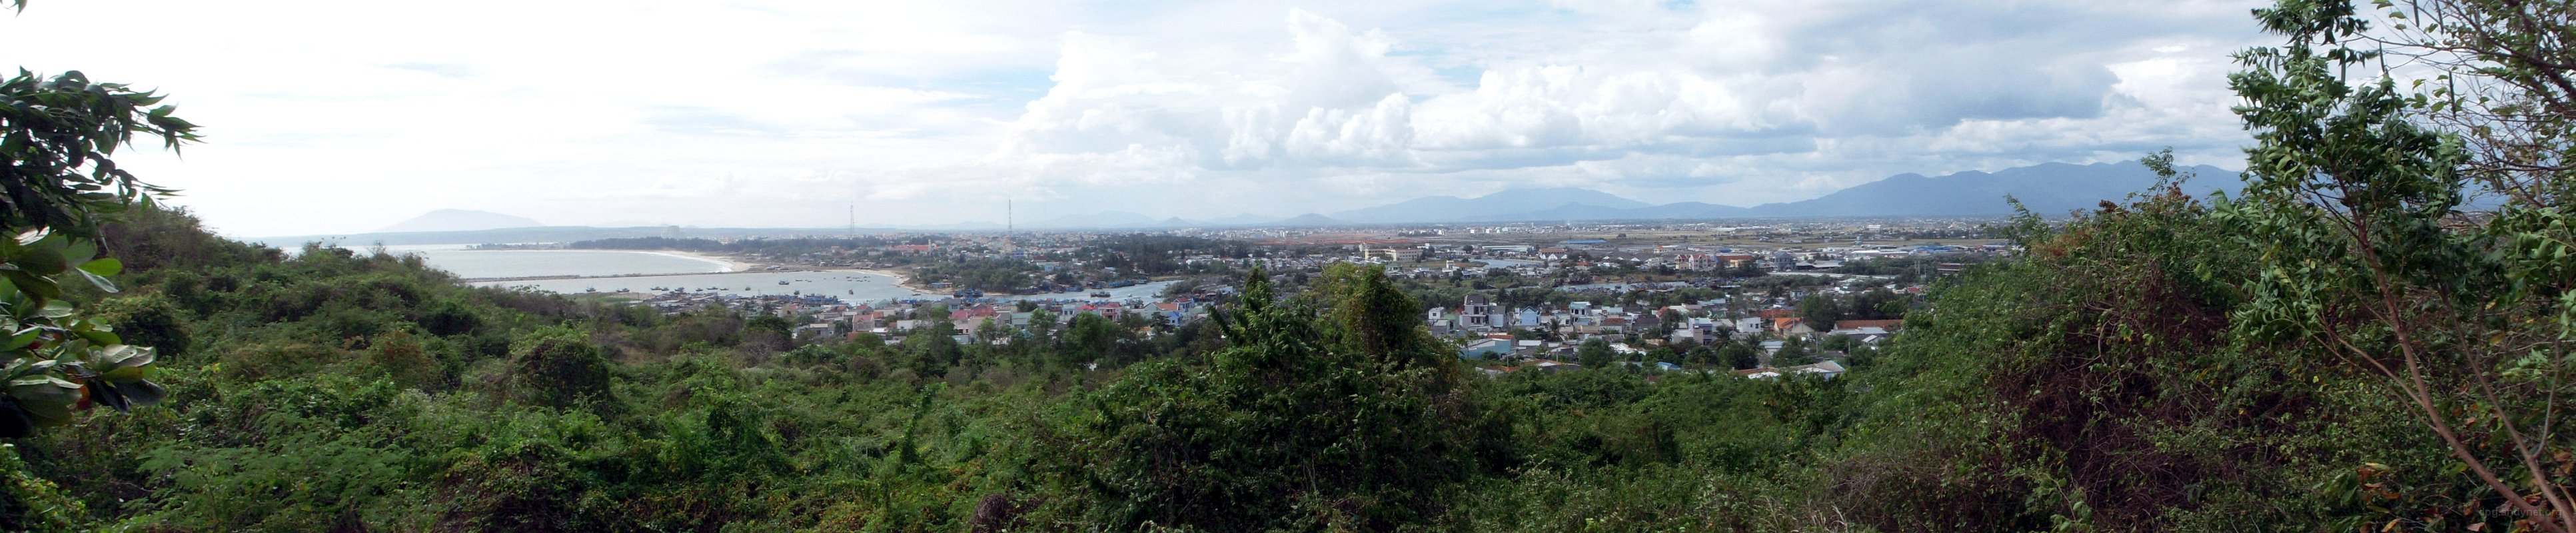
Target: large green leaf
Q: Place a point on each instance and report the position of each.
(142, 393)
(48, 399)
(104, 266)
(36, 285)
(99, 336)
(97, 271)
(123, 363)
(79, 252)
(45, 256)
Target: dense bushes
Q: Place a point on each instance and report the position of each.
(1283, 430)
(2094, 384)
(2166, 363)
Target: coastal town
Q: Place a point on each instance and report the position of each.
(1652, 297)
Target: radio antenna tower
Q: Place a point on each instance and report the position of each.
(1009, 225)
(854, 221)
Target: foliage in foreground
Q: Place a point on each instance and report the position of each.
(2337, 349)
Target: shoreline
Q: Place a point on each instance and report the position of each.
(730, 263)
(901, 280)
(880, 277)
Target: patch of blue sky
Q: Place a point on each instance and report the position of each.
(1489, 12)
(1009, 83)
(1467, 76)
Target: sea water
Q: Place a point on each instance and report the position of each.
(852, 286)
(477, 264)
(618, 271)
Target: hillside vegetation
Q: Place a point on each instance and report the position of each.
(2342, 347)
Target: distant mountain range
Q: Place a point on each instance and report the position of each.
(2048, 189)
(552, 234)
(1104, 219)
(1507, 203)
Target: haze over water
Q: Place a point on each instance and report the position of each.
(679, 272)
(476, 264)
(848, 285)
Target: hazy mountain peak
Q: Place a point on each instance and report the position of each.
(460, 220)
(1560, 196)
(1309, 219)
(1506, 202)
(2047, 188)
(1103, 219)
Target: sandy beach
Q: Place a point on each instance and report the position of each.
(731, 264)
(901, 280)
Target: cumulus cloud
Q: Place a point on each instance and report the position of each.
(778, 113)
(1745, 101)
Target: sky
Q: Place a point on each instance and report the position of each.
(335, 117)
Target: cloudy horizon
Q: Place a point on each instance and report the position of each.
(340, 117)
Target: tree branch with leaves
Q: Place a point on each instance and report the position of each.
(2355, 197)
(58, 187)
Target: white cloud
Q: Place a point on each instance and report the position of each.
(783, 113)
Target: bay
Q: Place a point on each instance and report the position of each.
(477, 264)
(658, 272)
(855, 286)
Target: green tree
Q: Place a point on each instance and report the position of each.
(1793, 353)
(933, 351)
(1875, 304)
(1820, 311)
(2353, 199)
(57, 189)
(1290, 427)
(1739, 356)
(557, 367)
(1091, 339)
(148, 319)
(448, 317)
(1372, 317)
(1839, 343)
(1595, 353)
(1702, 355)
(399, 356)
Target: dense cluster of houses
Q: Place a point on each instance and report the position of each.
(1506, 338)
(974, 319)
(1546, 337)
